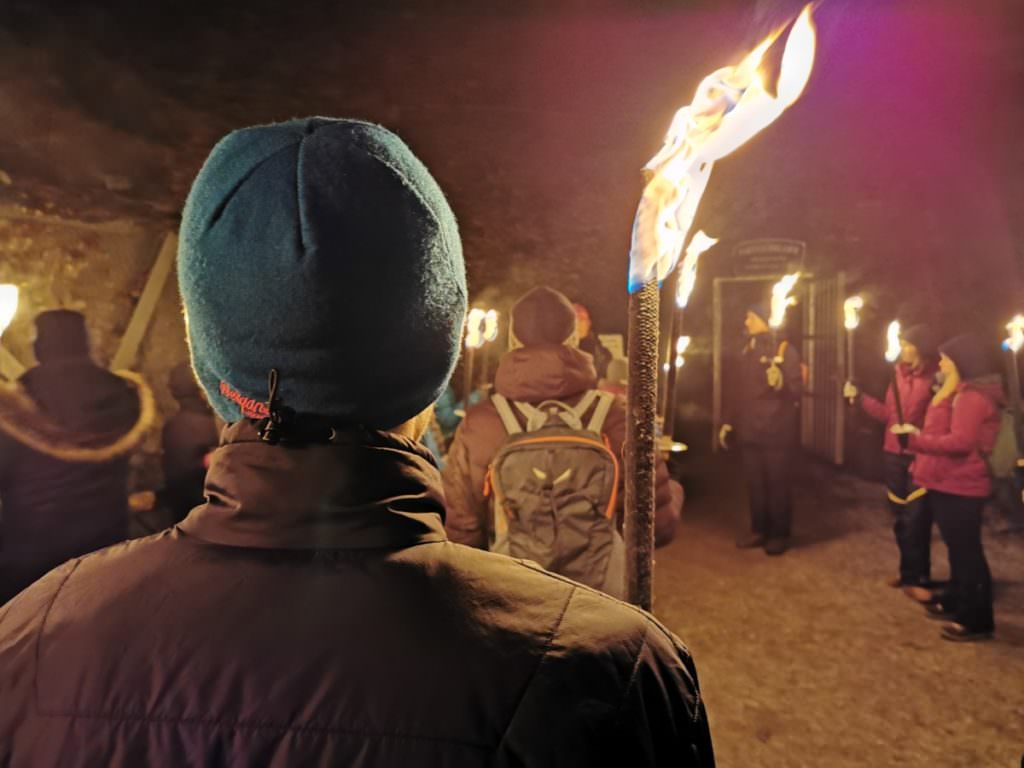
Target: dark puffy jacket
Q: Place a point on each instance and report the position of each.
(760, 414)
(915, 386)
(314, 613)
(532, 374)
(959, 431)
(66, 432)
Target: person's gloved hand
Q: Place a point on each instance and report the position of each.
(850, 391)
(723, 436)
(774, 376)
(904, 429)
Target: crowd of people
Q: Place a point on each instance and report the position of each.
(329, 594)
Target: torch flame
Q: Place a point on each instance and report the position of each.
(781, 299)
(851, 312)
(892, 342)
(688, 271)
(1016, 338)
(474, 328)
(682, 343)
(490, 330)
(730, 107)
(8, 305)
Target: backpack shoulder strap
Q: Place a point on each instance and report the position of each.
(508, 419)
(604, 404)
(584, 404)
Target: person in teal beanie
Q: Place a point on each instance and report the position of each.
(312, 610)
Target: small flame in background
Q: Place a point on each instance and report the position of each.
(730, 107)
(781, 300)
(892, 342)
(682, 343)
(490, 329)
(1016, 338)
(688, 271)
(8, 305)
(851, 312)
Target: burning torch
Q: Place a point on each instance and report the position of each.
(686, 280)
(8, 306)
(730, 107)
(892, 355)
(851, 319)
(1011, 346)
(781, 301)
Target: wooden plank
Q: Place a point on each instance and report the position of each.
(10, 366)
(128, 349)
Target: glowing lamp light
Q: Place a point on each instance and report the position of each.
(892, 342)
(851, 312)
(781, 300)
(688, 271)
(1016, 338)
(730, 107)
(8, 305)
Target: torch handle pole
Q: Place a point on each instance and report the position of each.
(903, 439)
(640, 456)
(669, 420)
(467, 387)
(849, 357)
(1013, 387)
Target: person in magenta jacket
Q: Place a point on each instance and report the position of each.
(912, 519)
(959, 431)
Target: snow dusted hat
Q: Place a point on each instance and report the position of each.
(325, 250)
(543, 315)
(970, 356)
(921, 337)
(760, 309)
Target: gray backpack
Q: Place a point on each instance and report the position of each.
(554, 485)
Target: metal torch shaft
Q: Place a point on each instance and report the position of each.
(1013, 385)
(638, 526)
(903, 439)
(669, 421)
(467, 386)
(849, 357)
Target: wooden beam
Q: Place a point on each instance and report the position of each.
(128, 349)
(10, 366)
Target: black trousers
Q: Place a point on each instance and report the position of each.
(912, 520)
(767, 472)
(970, 587)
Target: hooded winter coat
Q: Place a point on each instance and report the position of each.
(959, 431)
(915, 386)
(532, 374)
(66, 431)
(314, 613)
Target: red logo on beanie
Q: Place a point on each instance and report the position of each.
(250, 407)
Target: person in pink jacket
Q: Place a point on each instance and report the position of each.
(959, 431)
(912, 519)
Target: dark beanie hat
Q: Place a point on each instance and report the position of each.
(324, 249)
(61, 335)
(760, 309)
(969, 355)
(921, 337)
(543, 316)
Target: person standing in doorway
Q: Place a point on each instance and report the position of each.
(912, 518)
(764, 407)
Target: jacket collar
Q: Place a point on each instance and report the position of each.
(367, 490)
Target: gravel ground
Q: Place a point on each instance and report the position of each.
(810, 660)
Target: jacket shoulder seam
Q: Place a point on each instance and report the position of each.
(540, 663)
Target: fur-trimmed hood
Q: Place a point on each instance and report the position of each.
(109, 430)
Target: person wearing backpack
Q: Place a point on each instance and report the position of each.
(912, 519)
(764, 406)
(951, 462)
(513, 499)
